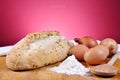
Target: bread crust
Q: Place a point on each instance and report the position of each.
(38, 49)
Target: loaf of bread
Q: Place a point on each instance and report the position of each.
(37, 50)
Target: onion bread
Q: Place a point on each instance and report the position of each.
(38, 49)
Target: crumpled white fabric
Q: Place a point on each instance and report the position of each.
(5, 50)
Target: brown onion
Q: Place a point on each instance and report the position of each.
(79, 51)
(96, 55)
(111, 44)
(87, 41)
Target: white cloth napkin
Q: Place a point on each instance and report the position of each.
(5, 50)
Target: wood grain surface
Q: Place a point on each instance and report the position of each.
(43, 74)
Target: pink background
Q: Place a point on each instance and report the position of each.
(72, 18)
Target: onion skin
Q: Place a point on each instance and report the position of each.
(111, 44)
(87, 41)
(79, 51)
(96, 55)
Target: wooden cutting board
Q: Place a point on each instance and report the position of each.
(43, 74)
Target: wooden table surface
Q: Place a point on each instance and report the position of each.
(43, 74)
